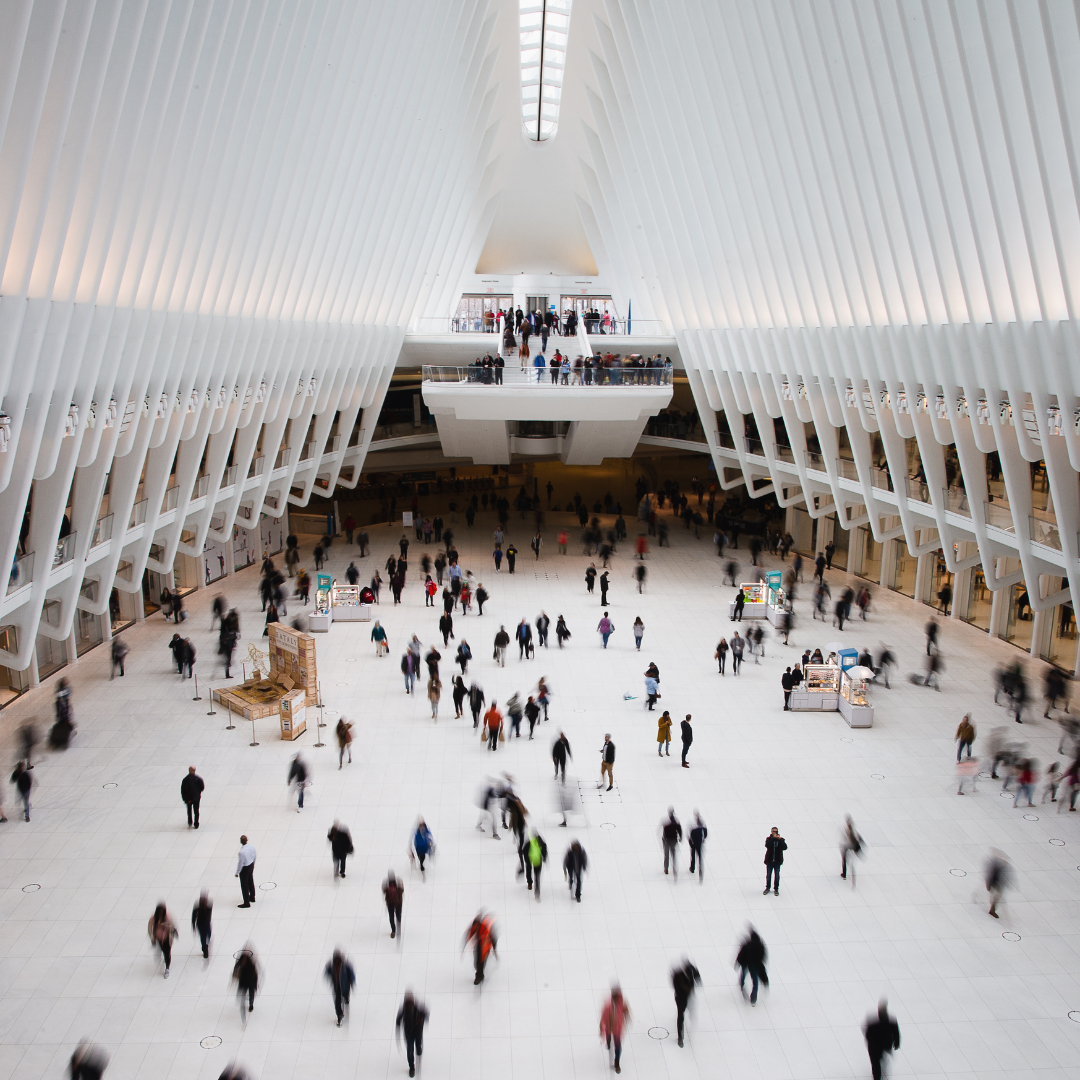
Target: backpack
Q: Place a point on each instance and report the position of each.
(535, 854)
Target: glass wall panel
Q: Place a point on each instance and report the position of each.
(905, 566)
(871, 555)
(975, 608)
(1019, 625)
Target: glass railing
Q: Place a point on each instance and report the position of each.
(332, 444)
(917, 489)
(815, 462)
(784, 453)
(881, 479)
(956, 500)
(307, 452)
(1045, 533)
(230, 477)
(725, 440)
(282, 459)
(999, 515)
(202, 486)
(753, 446)
(847, 469)
(22, 572)
(103, 528)
(138, 514)
(65, 550)
(171, 499)
(569, 375)
(256, 466)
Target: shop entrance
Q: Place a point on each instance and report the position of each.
(905, 566)
(12, 683)
(1019, 625)
(476, 314)
(977, 604)
(596, 313)
(935, 581)
(871, 555)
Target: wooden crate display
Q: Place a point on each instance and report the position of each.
(292, 661)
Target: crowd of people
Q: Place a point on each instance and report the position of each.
(453, 592)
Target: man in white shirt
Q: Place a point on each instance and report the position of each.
(245, 871)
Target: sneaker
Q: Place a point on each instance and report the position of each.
(776, 892)
(167, 973)
(766, 892)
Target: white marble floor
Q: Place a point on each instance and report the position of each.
(75, 960)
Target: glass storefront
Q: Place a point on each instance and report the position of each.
(1061, 647)
(87, 631)
(1020, 622)
(871, 555)
(936, 580)
(804, 532)
(977, 604)
(841, 539)
(476, 314)
(12, 683)
(51, 656)
(905, 566)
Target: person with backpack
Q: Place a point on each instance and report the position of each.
(393, 897)
(341, 847)
(342, 979)
(482, 934)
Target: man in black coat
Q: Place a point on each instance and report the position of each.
(697, 837)
(341, 846)
(683, 980)
(191, 789)
(560, 751)
(882, 1037)
(775, 846)
(411, 1018)
(687, 739)
(787, 683)
(751, 961)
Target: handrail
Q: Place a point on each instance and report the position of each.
(256, 466)
(103, 530)
(171, 498)
(65, 550)
(230, 476)
(1045, 533)
(282, 459)
(547, 375)
(138, 514)
(22, 572)
(202, 485)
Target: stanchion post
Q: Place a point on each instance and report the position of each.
(211, 712)
(196, 697)
(230, 726)
(253, 742)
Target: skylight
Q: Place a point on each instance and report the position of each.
(545, 26)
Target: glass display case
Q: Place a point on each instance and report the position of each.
(819, 690)
(854, 704)
(754, 606)
(319, 620)
(347, 605)
(345, 595)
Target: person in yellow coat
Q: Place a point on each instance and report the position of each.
(663, 735)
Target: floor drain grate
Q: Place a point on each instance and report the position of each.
(266, 886)
(211, 1042)
(1009, 935)
(958, 873)
(1058, 843)
(658, 1033)
(31, 888)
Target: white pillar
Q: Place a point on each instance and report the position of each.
(71, 646)
(997, 600)
(35, 680)
(922, 568)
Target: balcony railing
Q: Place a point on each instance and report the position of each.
(332, 444)
(512, 375)
(256, 466)
(138, 514)
(815, 462)
(22, 572)
(103, 530)
(999, 515)
(881, 479)
(65, 550)
(847, 469)
(784, 453)
(230, 476)
(171, 499)
(917, 489)
(753, 446)
(725, 440)
(202, 486)
(282, 459)
(956, 500)
(307, 452)
(1045, 533)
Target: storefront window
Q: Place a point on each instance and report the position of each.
(476, 314)
(905, 566)
(804, 532)
(12, 683)
(977, 603)
(1019, 625)
(87, 632)
(115, 613)
(841, 539)
(936, 581)
(1062, 648)
(871, 556)
(51, 656)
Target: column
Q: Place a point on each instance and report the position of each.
(71, 646)
(997, 601)
(35, 680)
(888, 562)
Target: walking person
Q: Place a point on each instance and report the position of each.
(737, 645)
(191, 789)
(434, 693)
(882, 1037)
(482, 934)
(341, 847)
(536, 854)
(245, 974)
(560, 751)
(343, 731)
(201, 921)
(965, 736)
(605, 628)
(775, 846)
(613, 1019)
(697, 837)
(493, 727)
(423, 844)
(663, 728)
(162, 933)
(245, 871)
(411, 1018)
(607, 763)
(720, 656)
(575, 863)
(23, 782)
(543, 623)
(393, 896)
(298, 774)
(378, 635)
(562, 634)
(476, 703)
(120, 650)
(639, 632)
(851, 844)
(683, 980)
(671, 837)
(687, 738)
(342, 978)
(502, 640)
(751, 961)
(88, 1062)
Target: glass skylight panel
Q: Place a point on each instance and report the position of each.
(545, 26)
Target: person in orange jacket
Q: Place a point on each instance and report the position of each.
(482, 934)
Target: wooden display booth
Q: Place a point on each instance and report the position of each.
(291, 664)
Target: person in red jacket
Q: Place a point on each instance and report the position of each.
(613, 1019)
(481, 933)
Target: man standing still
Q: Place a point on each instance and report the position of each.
(607, 763)
(245, 871)
(687, 739)
(191, 789)
(775, 846)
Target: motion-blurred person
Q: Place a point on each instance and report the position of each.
(882, 1037)
(423, 843)
(997, 877)
(965, 736)
(411, 1018)
(967, 769)
(671, 837)
(886, 660)
(201, 921)
(683, 981)
(28, 733)
(245, 871)
(118, 652)
(343, 731)
(245, 974)
(489, 804)
(697, 836)
(1051, 782)
(393, 896)
(484, 940)
(851, 846)
(339, 973)
(613, 1019)
(459, 695)
(1054, 690)
(575, 863)
(751, 961)
(560, 751)
(476, 703)
(536, 854)
(88, 1062)
(341, 847)
(493, 727)
(1070, 784)
(775, 846)
(162, 933)
(64, 709)
(934, 666)
(23, 782)
(1025, 782)
(298, 774)
(191, 789)
(1019, 697)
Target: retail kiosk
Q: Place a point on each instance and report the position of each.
(320, 619)
(753, 600)
(819, 691)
